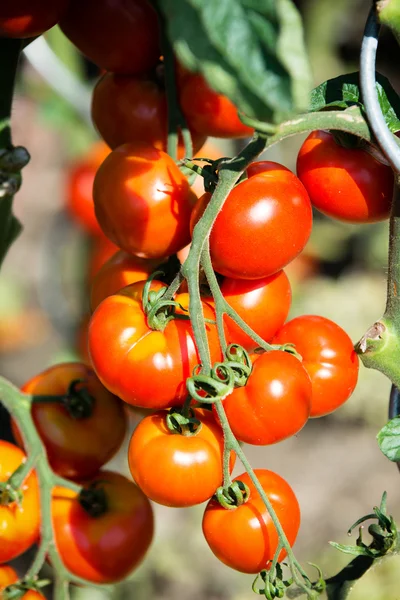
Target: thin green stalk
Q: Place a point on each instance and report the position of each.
(18, 477)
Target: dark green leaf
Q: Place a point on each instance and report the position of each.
(389, 439)
(250, 50)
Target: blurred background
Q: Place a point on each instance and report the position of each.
(334, 464)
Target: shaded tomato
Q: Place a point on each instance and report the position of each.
(144, 367)
(245, 539)
(20, 521)
(81, 340)
(79, 193)
(274, 404)
(119, 271)
(175, 469)
(134, 109)
(263, 303)
(106, 547)
(117, 35)
(263, 225)
(209, 112)
(76, 447)
(328, 357)
(344, 183)
(29, 18)
(143, 202)
(102, 249)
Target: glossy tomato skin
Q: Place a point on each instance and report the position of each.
(29, 18)
(117, 35)
(76, 448)
(144, 367)
(134, 109)
(245, 539)
(79, 197)
(174, 469)
(264, 224)
(19, 523)
(274, 404)
(263, 303)
(105, 548)
(120, 270)
(143, 202)
(208, 112)
(346, 184)
(328, 357)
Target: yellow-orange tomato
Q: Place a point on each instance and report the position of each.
(145, 367)
(107, 547)
(7, 576)
(143, 202)
(120, 270)
(76, 447)
(20, 521)
(174, 469)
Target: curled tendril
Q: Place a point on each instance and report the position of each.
(236, 494)
(239, 361)
(215, 386)
(272, 583)
(178, 423)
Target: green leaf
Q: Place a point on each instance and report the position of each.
(343, 92)
(249, 50)
(389, 439)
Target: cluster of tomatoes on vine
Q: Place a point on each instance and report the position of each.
(141, 345)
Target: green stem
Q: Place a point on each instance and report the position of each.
(393, 284)
(18, 477)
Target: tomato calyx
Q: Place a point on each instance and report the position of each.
(9, 494)
(18, 590)
(159, 312)
(183, 422)
(12, 160)
(208, 171)
(232, 496)
(93, 499)
(78, 401)
(273, 584)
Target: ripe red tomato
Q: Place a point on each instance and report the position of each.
(245, 539)
(144, 367)
(263, 303)
(177, 470)
(143, 202)
(107, 547)
(19, 522)
(328, 357)
(117, 35)
(274, 404)
(81, 340)
(346, 184)
(29, 18)
(101, 250)
(209, 112)
(134, 109)
(80, 178)
(264, 224)
(76, 447)
(120, 270)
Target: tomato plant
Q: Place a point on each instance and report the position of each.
(29, 18)
(84, 425)
(19, 517)
(103, 30)
(104, 534)
(344, 183)
(177, 469)
(328, 357)
(245, 539)
(151, 201)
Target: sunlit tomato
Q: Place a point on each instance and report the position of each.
(80, 178)
(208, 112)
(274, 404)
(264, 224)
(76, 447)
(173, 469)
(328, 357)
(134, 109)
(29, 18)
(143, 202)
(7, 576)
(345, 183)
(263, 303)
(119, 271)
(117, 35)
(142, 366)
(20, 521)
(101, 250)
(107, 547)
(245, 539)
